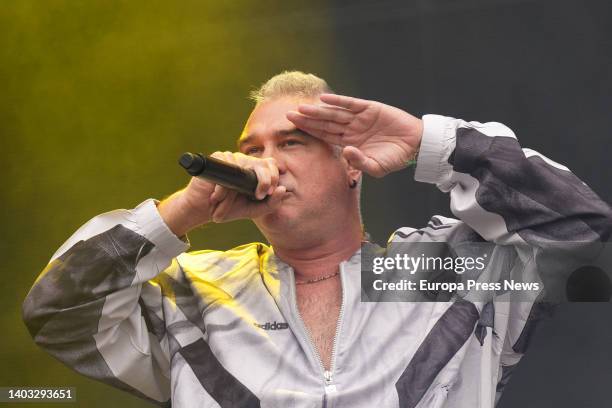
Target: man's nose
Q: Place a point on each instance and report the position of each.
(278, 159)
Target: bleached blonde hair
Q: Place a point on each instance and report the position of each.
(291, 83)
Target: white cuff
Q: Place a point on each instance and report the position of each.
(437, 144)
(150, 225)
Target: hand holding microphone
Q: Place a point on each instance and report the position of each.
(226, 186)
(244, 174)
(220, 172)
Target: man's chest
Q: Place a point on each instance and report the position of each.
(319, 309)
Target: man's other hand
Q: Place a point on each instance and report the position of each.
(378, 139)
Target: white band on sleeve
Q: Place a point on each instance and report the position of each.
(150, 225)
(437, 144)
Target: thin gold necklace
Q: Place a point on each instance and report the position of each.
(320, 278)
(331, 275)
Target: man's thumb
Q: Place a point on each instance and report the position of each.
(273, 201)
(360, 161)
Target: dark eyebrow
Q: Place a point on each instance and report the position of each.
(293, 131)
(279, 133)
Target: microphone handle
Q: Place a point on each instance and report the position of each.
(220, 172)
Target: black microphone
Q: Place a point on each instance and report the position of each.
(220, 172)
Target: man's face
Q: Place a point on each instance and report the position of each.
(317, 180)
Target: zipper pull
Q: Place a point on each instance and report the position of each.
(329, 387)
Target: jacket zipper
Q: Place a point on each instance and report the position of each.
(330, 387)
(327, 374)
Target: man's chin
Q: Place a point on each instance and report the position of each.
(284, 217)
(281, 214)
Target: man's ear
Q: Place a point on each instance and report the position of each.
(352, 172)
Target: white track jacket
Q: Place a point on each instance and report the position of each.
(124, 303)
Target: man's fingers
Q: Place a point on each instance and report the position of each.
(266, 170)
(274, 174)
(360, 161)
(264, 180)
(355, 105)
(237, 206)
(258, 209)
(330, 138)
(245, 208)
(318, 124)
(328, 131)
(228, 204)
(225, 156)
(332, 113)
(223, 209)
(219, 194)
(326, 137)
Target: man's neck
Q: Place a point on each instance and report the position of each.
(322, 257)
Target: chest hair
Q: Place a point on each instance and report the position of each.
(319, 305)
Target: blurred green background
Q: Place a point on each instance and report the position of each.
(98, 100)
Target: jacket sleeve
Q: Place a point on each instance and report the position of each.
(509, 195)
(515, 197)
(95, 309)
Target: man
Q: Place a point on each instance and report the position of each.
(284, 325)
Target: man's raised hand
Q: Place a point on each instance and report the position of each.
(378, 139)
